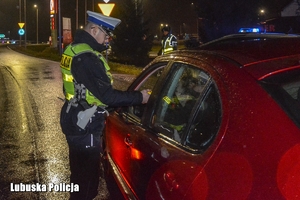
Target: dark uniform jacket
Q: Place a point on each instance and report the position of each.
(89, 70)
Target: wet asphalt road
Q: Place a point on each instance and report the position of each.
(33, 150)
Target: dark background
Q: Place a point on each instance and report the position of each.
(181, 15)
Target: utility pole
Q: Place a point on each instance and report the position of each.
(76, 14)
(85, 8)
(59, 28)
(20, 20)
(37, 23)
(25, 23)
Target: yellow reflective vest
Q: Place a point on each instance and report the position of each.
(168, 45)
(68, 80)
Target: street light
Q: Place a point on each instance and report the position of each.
(261, 15)
(37, 23)
(160, 27)
(163, 25)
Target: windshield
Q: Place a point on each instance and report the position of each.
(285, 89)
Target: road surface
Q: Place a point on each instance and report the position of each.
(34, 153)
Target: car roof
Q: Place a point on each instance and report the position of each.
(255, 46)
(258, 53)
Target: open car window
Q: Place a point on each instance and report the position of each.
(148, 82)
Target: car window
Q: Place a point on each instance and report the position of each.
(147, 83)
(189, 92)
(285, 89)
(206, 122)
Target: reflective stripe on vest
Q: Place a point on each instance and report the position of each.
(66, 63)
(167, 45)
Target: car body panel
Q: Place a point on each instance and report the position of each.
(254, 154)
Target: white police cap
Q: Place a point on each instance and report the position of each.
(107, 23)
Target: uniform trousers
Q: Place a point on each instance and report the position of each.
(84, 167)
(84, 151)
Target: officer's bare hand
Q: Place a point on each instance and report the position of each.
(146, 94)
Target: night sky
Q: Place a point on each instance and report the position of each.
(179, 14)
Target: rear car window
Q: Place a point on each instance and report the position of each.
(285, 89)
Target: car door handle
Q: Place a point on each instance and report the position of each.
(127, 141)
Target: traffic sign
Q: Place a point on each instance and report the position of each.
(106, 8)
(21, 25)
(21, 31)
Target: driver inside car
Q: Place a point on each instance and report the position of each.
(181, 105)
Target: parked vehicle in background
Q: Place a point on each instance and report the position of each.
(192, 42)
(222, 122)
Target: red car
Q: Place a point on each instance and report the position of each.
(222, 122)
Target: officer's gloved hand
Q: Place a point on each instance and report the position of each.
(146, 94)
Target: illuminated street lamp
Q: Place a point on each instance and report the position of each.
(163, 25)
(37, 23)
(261, 15)
(160, 28)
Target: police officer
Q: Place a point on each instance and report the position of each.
(169, 41)
(88, 91)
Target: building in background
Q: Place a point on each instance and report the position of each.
(288, 20)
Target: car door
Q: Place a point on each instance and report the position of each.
(157, 147)
(122, 125)
(166, 147)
